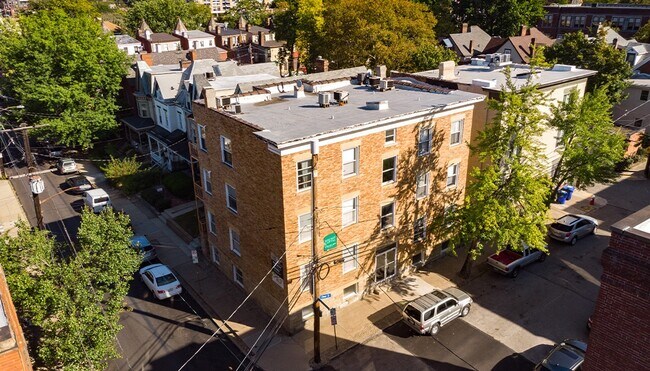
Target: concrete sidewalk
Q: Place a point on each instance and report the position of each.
(11, 211)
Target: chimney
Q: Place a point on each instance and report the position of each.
(219, 29)
(192, 55)
(184, 63)
(248, 27)
(447, 70)
(471, 48)
(147, 58)
(260, 38)
(321, 64)
(380, 71)
(524, 30)
(210, 98)
(464, 28)
(532, 46)
(147, 34)
(615, 42)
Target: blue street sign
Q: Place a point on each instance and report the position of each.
(325, 296)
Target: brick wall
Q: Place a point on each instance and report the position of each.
(621, 324)
(13, 353)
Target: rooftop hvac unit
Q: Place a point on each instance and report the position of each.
(386, 85)
(237, 108)
(209, 75)
(341, 97)
(324, 99)
(225, 101)
(360, 77)
(374, 81)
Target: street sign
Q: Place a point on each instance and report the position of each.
(330, 241)
(325, 296)
(195, 257)
(333, 316)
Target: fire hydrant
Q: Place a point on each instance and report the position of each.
(593, 200)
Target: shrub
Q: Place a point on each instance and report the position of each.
(180, 185)
(127, 175)
(155, 199)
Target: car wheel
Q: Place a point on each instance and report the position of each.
(593, 231)
(434, 329)
(465, 311)
(542, 257)
(515, 272)
(573, 240)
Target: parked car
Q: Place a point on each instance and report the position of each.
(78, 184)
(96, 200)
(509, 261)
(142, 244)
(161, 281)
(429, 312)
(568, 355)
(571, 227)
(66, 166)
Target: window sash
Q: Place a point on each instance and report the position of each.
(349, 255)
(350, 291)
(387, 215)
(226, 151)
(305, 227)
(452, 175)
(419, 229)
(212, 224)
(235, 244)
(304, 174)
(390, 136)
(238, 275)
(456, 131)
(388, 170)
(350, 157)
(349, 211)
(202, 141)
(207, 181)
(422, 187)
(231, 195)
(305, 278)
(424, 142)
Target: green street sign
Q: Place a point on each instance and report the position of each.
(330, 241)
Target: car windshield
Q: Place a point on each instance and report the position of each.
(165, 280)
(101, 199)
(561, 227)
(413, 313)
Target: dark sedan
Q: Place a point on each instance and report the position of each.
(78, 184)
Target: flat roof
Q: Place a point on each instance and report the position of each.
(464, 74)
(286, 119)
(197, 34)
(636, 225)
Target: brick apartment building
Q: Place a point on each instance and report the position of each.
(390, 159)
(562, 19)
(13, 348)
(620, 332)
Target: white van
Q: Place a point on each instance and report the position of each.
(96, 200)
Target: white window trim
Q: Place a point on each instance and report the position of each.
(381, 215)
(355, 162)
(394, 170)
(301, 231)
(390, 142)
(200, 137)
(234, 275)
(424, 237)
(350, 296)
(305, 279)
(460, 132)
(427, 185)
(455, 184)
(232, 244)
(429, 141)
(210, 222)
(216, 254)
(355, 208)
(311, 173)
(354, 258)
(222, 141)
(228, 198)
(207, 175)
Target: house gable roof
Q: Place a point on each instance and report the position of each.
(476, 35)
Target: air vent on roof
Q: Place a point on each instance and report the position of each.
(563, 68)
(209, 75)
(298, 91)
(324, 99)
(225, 101)
(341, 97)
(374, 81)
(361, 76)
(237, 108)
(386, 85)
(485, 83)
(377, 105)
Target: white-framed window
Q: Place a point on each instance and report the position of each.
(304, 174)
(202, 143)
(452, 175)
(304, 227)
(420, 229)
(350, 291)
(226, 151)
(212, 223)
(207, 181)
(350, 258)
(216, 255)
(389, 170)
(387, 215)
(457, 131)
(390, 136)
(181, 120)
(559, 138)
(422, 185)
(277, 266)
(350, 211)
(234, 241)
(305, 277)
(417, 259)
(238, 275)
(507, 51)
(424, 141)
(144, 109)
(350, 161)
(231, 198)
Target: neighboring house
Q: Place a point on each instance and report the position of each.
(13, 347)
(111, 28)
(632, 114)
(388, 161)
(486, 77)
(621, 325)
(185, 56)
(218, 6)
(194, 39)
(246, 43)
(128, 44)
(156, 42)
(9, 8)
(566, 18)
(520, 48)
(470, 42)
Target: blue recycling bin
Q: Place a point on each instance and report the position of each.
(569, 191)
(561, 197)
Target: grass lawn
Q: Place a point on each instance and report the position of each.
(189, 223)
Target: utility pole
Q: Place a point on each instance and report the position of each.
(28, 150)
(314, 250)
(37, 187)
(2, 166)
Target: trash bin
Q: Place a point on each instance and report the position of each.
(561, 197)
(569, 191)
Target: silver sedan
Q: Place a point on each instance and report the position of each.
(571, 227)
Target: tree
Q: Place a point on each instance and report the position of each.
(499, 18)
(643, 34)
(591, 146)
(162, 15)
(299, 23)
(253, 11)
(357, 33)
(594, 54)
(72, 298)
(66, 72)
(429, 56)
(444, 11)
(71, 7)
(505, 203)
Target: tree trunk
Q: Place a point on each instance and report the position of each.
(466, 270)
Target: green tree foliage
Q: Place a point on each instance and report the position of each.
(505, 204)
(66, 72)
(444, 12)
(358, 32)
(253, 11)
(429, 56)
(71, 7)
(299, 23)
(73, 298)
(594, 54)
(162, 15)
(591, 146)
(643, 34)
(499, 18)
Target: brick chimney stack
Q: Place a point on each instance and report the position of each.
(321, 64)
(464, 28)
(524, 30)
